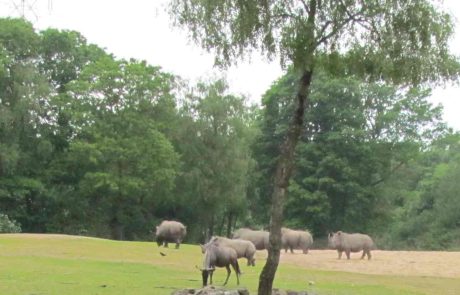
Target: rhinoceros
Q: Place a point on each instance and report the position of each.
(258, 237)
(219, 256)
(170, 232)
(345, 242)
(243, 248)
(296, 239)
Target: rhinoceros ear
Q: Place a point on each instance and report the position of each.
(339, 233)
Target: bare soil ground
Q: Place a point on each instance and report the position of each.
(407, 263)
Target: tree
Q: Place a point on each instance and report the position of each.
(23, 150)
(424, 199)
(355, 137)
(216, 156)
(404, 42)
(64, 55)
(125, 166)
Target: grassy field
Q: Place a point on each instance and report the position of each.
(55, 264)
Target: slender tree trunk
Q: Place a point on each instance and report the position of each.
(211, 228)
(229, 224)
(222, 224)
(282, 174)
(117, 229)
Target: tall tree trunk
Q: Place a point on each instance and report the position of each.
(283, 171)
(117, 230)
(210, 229)
(222, 224)
(229, 224)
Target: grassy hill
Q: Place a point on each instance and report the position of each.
(60, 264)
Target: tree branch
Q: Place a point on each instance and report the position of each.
(351, 18)
(324, 27)
(305, 6)
(333, 32)
(391, 172)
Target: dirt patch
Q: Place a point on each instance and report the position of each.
(408, 263)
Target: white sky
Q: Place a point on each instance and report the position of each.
(141, 29)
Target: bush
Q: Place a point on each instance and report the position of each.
(8, 226)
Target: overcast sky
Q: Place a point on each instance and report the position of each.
(141, 29)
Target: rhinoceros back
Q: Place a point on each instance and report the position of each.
(356, 242)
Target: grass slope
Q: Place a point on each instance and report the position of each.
(59, 264)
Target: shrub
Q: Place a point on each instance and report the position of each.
(8, 226)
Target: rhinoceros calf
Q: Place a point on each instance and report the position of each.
(344, 242)
(170, 232)
(296, 239)
(243, 248)
(258, 237)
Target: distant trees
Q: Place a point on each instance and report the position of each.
(356, 136)
(423, 198)
(94, 145)
(123, 163)
(216, 135)
(24, 95)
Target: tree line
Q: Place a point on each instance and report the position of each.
(95, 145)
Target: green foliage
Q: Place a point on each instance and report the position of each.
(398, 41)
(94, 145)
(125, 165)
(8, 226)
(18, 38)
(23, 96)
(216, 158)
(427, 218)
(356, 136)
(64, 55)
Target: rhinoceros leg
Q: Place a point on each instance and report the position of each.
(237, 273)
(348, 254)
(228, 274)
(292, 250)
(364, 253)
(177, 244)
(340, 254)
(368, 254)
(166, 245)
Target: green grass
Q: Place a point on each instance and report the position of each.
(57, 265)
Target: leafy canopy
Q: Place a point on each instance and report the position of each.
(402, 41)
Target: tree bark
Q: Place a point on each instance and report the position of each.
(211, 228)
(222, 224)
(229, 224)
(282, 175)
